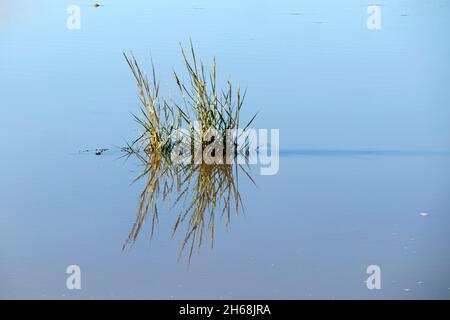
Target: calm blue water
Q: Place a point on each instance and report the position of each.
(364, 122)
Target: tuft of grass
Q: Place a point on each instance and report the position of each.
(211, 108)
(157, 118)
(200, 102)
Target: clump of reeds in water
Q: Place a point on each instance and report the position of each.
(200, 189)
(202, 108)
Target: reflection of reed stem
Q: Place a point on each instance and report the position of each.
(198, 191)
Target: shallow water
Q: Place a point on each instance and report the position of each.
(364, 125)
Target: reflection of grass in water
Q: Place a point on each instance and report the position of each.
(161, 178)
(214, 187)
(201, 101)
(201, 190)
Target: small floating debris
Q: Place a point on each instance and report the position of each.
(424, 214)
(99, 152)
(419, 282)
(407, 290)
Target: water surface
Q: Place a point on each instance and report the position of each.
(364, 121)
